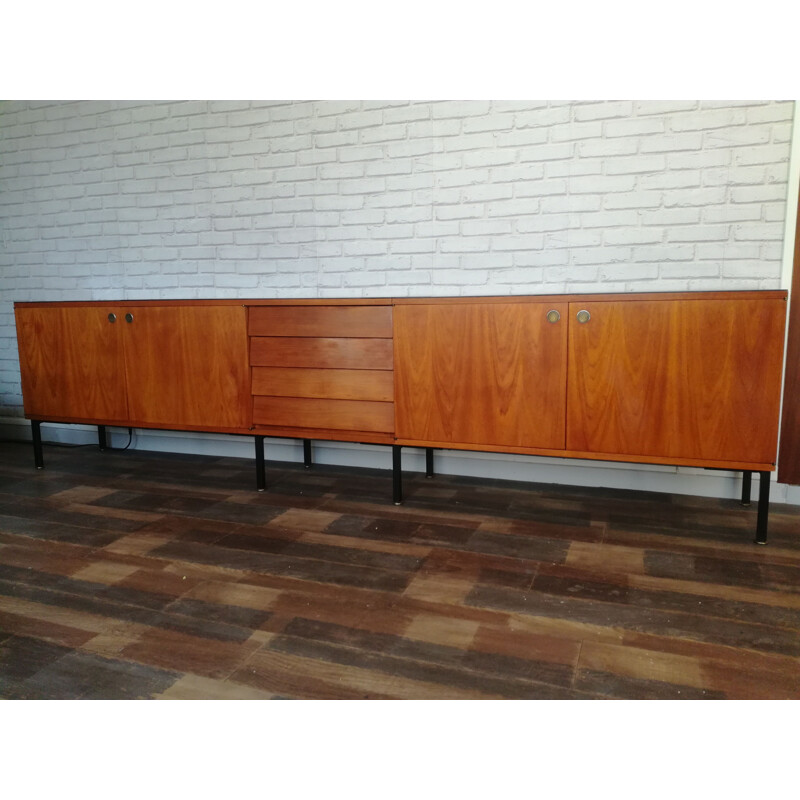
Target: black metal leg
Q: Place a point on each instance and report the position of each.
(36, 435)
(428, 462)
(101, 437)
(763, 508)
(261, 473)
(747, 480)
(307, 453)
(397, 475)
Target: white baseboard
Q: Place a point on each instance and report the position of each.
(570, 472)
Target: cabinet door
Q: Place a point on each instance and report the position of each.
(187, 366)
(683, 379)
(71, 363)
(483, 373)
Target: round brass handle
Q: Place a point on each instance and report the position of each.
(112, 317)
(553, 315)
(583, 316)
(129, 317)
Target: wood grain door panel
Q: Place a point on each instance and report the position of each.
(71, 363)
(481, 373)
(188, 366)
(321, 353)
(687, 379)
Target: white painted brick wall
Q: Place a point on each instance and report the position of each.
(102, 200)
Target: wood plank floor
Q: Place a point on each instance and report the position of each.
(144, 575)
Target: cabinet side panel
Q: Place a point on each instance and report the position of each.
(695, 379)
(71, 363)
(491, 374)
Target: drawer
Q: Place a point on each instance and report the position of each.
(360, 322)
(272, 351)
(345, 415)
(339, 384)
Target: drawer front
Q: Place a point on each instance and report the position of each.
(321, 353)
(324, 368)
(339, 384)
(345, 415)
(358, 322)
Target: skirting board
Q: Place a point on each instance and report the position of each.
(532, 469)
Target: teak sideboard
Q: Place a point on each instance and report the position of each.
(685, 379)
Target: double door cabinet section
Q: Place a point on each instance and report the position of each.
(692, 381)
(687, 379)
(179, 366)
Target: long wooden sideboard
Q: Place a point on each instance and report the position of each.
(685, 379)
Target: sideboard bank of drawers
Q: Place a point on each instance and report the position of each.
(685, 379)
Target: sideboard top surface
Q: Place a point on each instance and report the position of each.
(770, 294)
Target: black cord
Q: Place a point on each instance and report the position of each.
(68, 445)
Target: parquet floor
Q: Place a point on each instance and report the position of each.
(144, 575)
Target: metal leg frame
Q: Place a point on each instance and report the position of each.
(36, 435)
(101, 437)
(261, 472)
(307, 462)
(763, 507)
(397, 475)
(428, 462)
(747, 482)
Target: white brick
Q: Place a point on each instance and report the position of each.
(623, 236)
(666, 252)
(679, 179)
(537, 117)
(459, 277)
(770, 113)
(758, 194)
(635, 164)
(490, 122)
(737, 137)
(674, 216)
(574, 168)
(694, 269)
(727, 251)
(383, 133)
(600, 255)
(568, 203)
(635, 126)
(764, 231)
(700, 233)
(637, 272)
(407, 113)
(694, 197)
(708, 119)
(621, 108)
(576, 131)
(459, 108)
(604, 184)
(663, 107)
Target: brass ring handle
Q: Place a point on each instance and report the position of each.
(553, 315)
(583, 316)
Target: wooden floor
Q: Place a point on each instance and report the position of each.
(142, 575)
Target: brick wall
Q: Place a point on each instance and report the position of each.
(221, 199)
